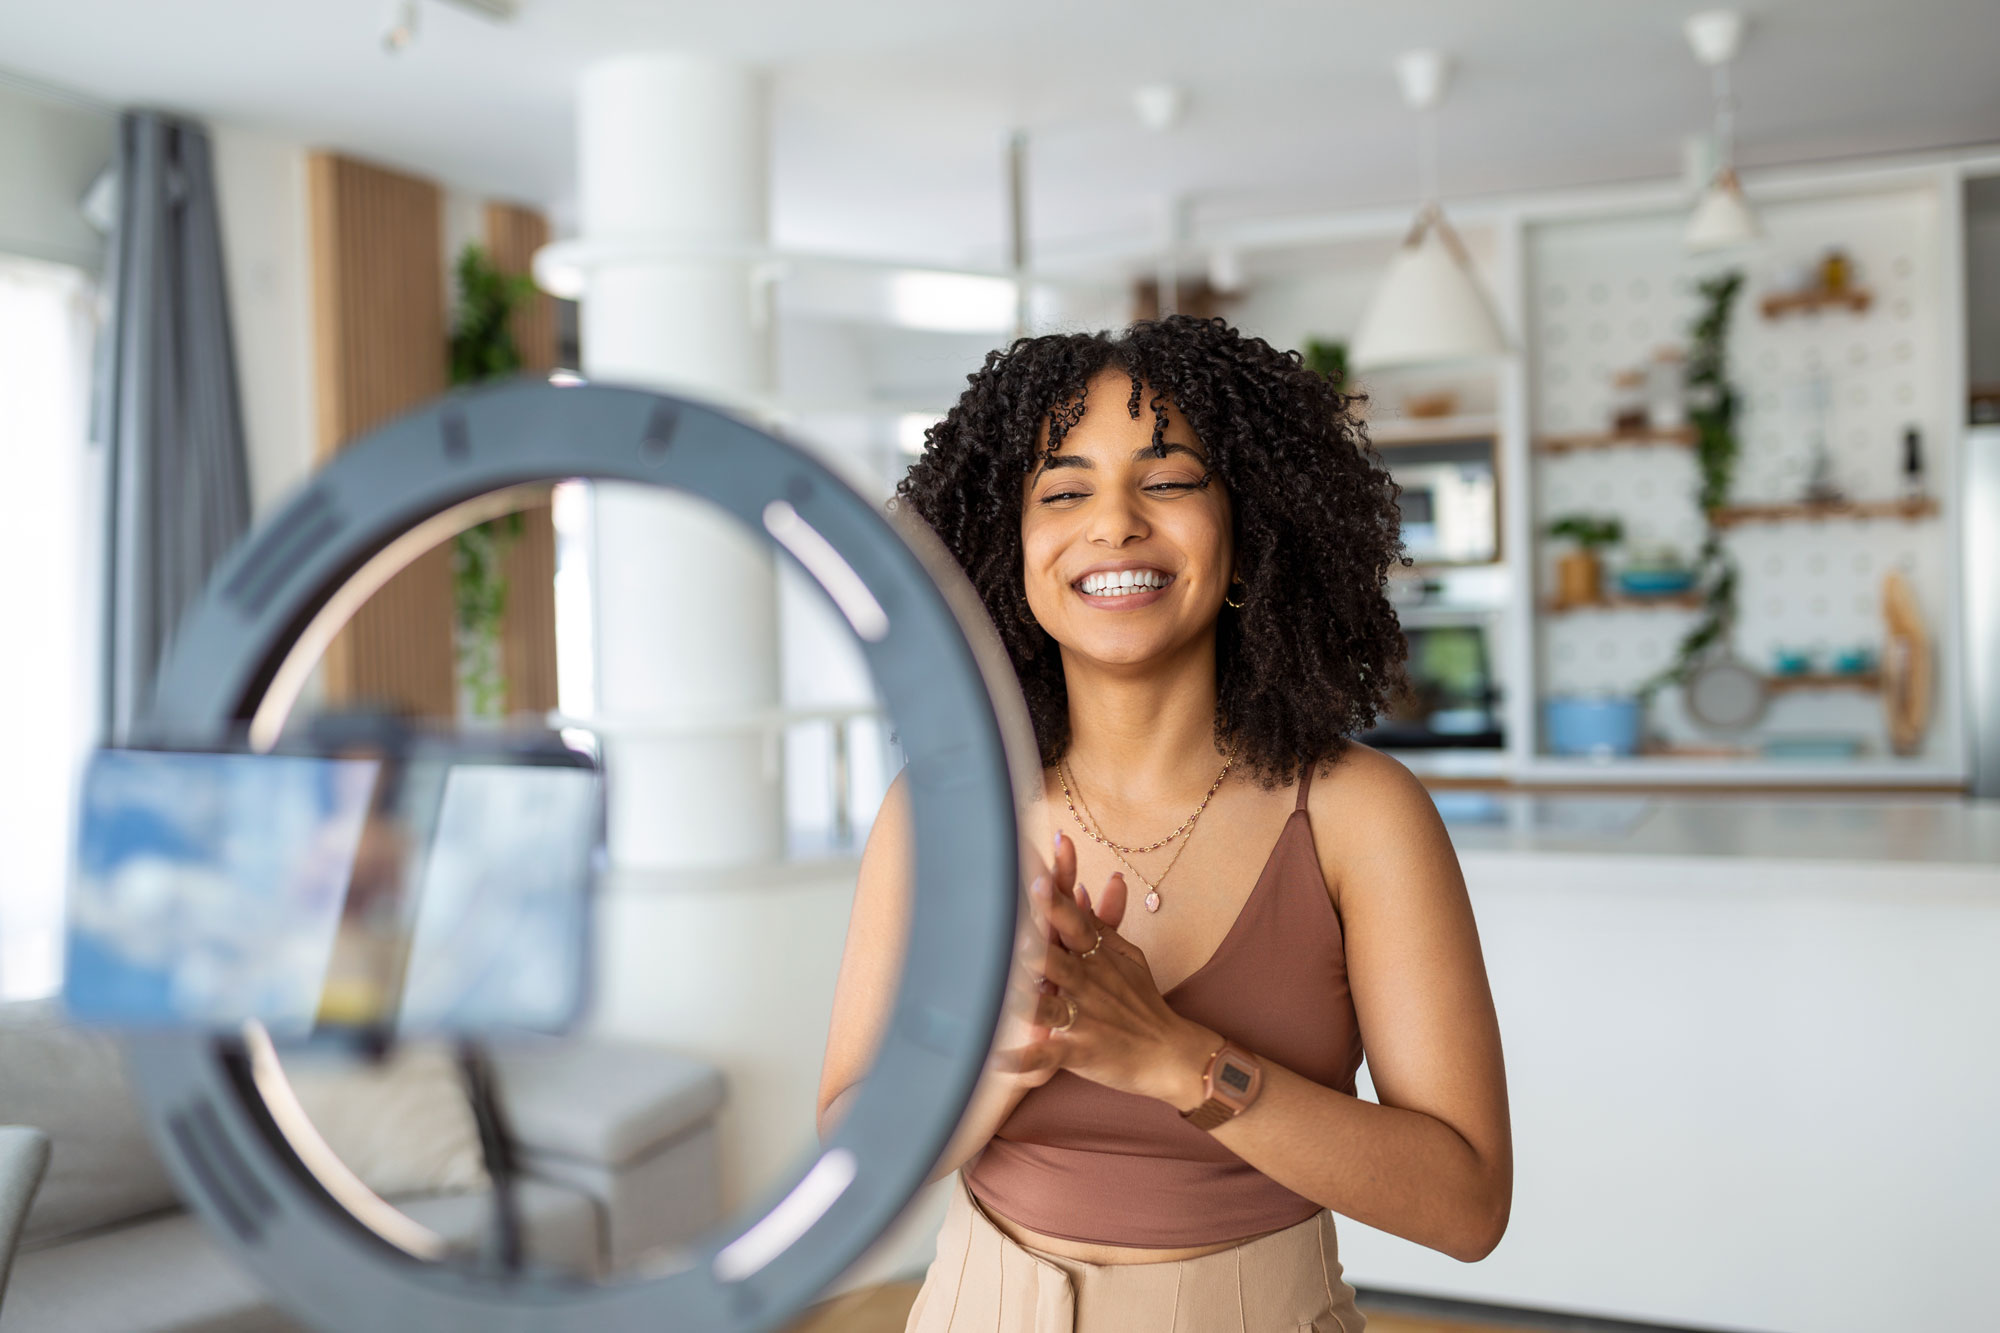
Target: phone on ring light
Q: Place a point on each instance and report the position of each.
(422, 887)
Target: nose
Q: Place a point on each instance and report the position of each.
(1115, 520)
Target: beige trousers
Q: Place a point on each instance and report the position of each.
(984, 1282)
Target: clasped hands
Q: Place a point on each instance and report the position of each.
(1100, 1016)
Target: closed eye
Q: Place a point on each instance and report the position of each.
(1057, 497)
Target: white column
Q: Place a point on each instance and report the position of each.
(673, 153)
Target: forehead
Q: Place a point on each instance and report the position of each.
(1105, 420)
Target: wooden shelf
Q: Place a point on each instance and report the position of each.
(1392, 431)
(1681, 601)
(1562, 444)
(1729, 516)
(1776, 305)
(1826, 680)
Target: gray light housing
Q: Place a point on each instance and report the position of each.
(206, 1118)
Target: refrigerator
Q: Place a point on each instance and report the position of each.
(1982, 607)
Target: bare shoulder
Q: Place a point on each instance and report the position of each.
(1371, 818)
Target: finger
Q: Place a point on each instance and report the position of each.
(1064, 868)
(1074, 927)
(1083, 897)
(1054, 1012)
(1065, 969)
(1111, 911)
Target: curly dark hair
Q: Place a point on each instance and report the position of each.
(1315, 651)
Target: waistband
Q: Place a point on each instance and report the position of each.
(983, 1280)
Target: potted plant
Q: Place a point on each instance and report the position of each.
(482, 348)
(1579, 572)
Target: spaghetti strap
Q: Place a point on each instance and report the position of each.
(1305, 785)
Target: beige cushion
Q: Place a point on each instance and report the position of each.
(70, 1084)
(404, 1126)
(170, 1273)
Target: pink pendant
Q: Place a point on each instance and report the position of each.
(1152, 902)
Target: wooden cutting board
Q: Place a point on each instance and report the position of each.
(1906, 665)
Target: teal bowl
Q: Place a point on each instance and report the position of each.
(1654, 582)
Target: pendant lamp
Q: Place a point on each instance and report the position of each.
(1722, 216)
(1429, 309)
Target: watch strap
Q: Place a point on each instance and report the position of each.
(1209, 1114)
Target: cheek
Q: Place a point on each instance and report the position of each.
(1041, 544)
(1204, 535)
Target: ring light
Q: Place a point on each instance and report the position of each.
(240, 658)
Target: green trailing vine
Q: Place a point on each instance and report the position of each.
(483, 348)
(1713, 406)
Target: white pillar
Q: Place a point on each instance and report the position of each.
(673, 148)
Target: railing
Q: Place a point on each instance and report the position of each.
(850, 745)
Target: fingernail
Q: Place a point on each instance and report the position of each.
(1059, 840)
(1083, 897)
(1040, 888)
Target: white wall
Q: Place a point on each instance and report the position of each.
(260, 185)
(51, 148)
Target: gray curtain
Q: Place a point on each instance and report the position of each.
(178, 475)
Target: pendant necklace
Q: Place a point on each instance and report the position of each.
(1152, 898)
(1087, 822)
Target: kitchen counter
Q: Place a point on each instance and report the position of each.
(1936, 831)
(1751, 1064)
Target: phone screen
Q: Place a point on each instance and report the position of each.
(427, 893)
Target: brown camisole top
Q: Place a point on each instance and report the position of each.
(1083, 1162)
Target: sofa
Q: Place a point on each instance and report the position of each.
(617, 1146)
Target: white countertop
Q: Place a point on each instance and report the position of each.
(1912, 830)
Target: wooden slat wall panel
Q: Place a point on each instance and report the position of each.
(378, 283)
(528, 634)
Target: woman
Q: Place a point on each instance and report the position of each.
(1184, 542)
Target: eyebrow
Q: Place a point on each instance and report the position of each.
(1054, 461)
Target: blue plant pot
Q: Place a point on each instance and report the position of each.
(1591, 726)
(1655, 582)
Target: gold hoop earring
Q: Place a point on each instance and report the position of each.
(1236, 605)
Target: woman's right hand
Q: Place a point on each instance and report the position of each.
(1036, 937)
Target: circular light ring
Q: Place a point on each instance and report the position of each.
(206, 1119)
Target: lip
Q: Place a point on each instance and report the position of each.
(1130, 601)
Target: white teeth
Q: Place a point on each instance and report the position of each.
(1121, 582)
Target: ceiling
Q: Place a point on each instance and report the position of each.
(889, 115)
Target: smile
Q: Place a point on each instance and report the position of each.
(1123, 582)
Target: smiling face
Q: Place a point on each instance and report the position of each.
(1125, 547)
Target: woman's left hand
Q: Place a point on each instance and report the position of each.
(1123, 1035)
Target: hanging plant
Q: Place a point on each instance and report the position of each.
(1713, 406)
(483, 348)
(1328, 358)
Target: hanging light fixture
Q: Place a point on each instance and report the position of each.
(1429, 309)
(1722, 217)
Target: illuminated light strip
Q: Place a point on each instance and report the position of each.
(289, 681)
(367, 1207)
(827, 565)
(791, 1219)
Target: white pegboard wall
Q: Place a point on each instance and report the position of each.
(1604, 294)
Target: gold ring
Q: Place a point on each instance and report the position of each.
(1095, 946)
(1069, 1022)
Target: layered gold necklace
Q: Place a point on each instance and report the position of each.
(1086, 821)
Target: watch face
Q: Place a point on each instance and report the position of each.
(1233, 1077)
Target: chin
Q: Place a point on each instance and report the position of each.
(1120, 649)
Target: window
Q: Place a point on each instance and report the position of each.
(47, 611)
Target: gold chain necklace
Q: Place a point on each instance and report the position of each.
(1087, 821)
(1152, 899)
(1062, 776)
